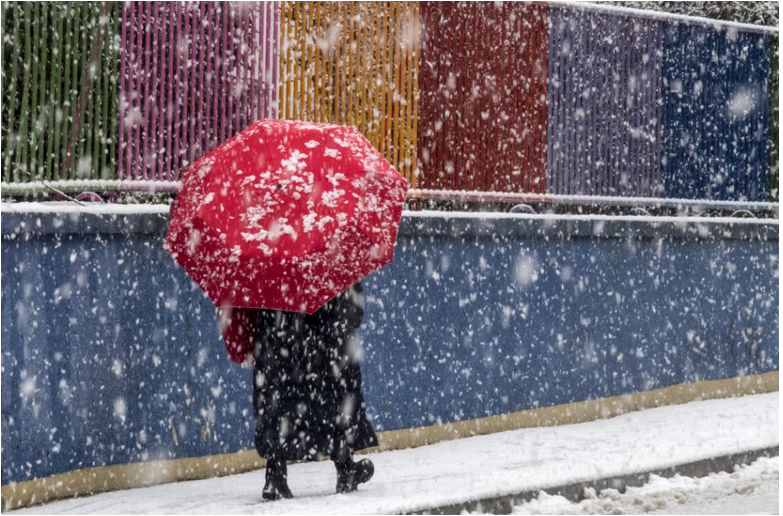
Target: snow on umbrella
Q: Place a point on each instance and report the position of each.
(286, 215)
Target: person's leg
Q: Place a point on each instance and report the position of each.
(276, 486)
(349, 473)
(268, 380)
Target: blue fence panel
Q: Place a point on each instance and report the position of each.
(715, 113)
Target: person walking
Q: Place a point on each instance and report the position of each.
(307, 392)
(259, 224)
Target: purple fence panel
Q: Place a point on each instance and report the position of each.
(604, 132)
(191, 76)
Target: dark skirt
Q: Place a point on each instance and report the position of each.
(308, 386)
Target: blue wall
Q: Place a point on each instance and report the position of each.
(110, 354)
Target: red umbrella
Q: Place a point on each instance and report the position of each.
(286, 215)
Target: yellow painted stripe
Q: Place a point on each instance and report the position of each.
(579, 412)
(128, 476)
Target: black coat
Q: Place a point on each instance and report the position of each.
(308, 386)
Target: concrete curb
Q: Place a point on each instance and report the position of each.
(575, 492)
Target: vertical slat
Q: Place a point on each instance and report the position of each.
(95, 96)
(385, 72)
(399, 86)
(83, 130)
(187, 85)
(43, 81)
(524, 96)
(299, 85)
(226, 81)
(274, 60)
(261, 44)
(485, 127)
(404, 93)
(159, 84)
(10, 145)
(145, 91)
(69, 96)
(290, 46)
(110, 69)
(242, 63)
(424, 146)
(124, 88)
(213, 31)
(343, 61)
(80, 140)
(415, 74)
(24, 112)
(37, 66)
(192, 118)
(255, 81)
(774, 117)
(404, 65)
(230, 77)
(180, 79)
(53, 101)
(308, 20)
(173, 26)
(203, 73)
(6, 128)
(152, 99)
(137, 169)
(320, 39)
(374, 122)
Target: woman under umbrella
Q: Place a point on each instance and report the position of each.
(262, 221)
(308, 391)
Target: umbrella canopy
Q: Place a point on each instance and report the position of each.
(286, 215)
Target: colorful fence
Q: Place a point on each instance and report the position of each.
(60, 93)
(554, 99)
(354, 63)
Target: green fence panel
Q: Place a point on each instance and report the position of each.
(60, 95)
(774, 116)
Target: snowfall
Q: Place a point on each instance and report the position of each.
(521, 461)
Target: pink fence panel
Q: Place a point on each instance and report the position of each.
(191, 76)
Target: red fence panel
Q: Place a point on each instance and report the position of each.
(191, 76)
(482, 87)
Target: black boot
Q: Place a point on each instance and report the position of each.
(350, 474)
(276, 486)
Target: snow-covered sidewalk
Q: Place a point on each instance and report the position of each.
(475, 468)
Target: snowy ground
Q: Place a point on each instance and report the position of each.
(501, 464)
(750, 489)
